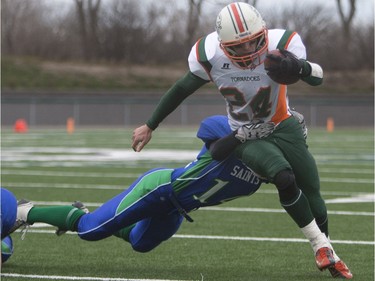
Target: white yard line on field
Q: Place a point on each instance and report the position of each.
(347, 180)
(236, 238)
(347, 171)
(59, 277)
(68, 174)
(131, 175)
(62, 154)
(92, 154)
(224, 209)
(117, 187)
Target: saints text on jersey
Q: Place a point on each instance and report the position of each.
(244, 174)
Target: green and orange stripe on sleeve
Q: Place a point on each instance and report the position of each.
(285, 39)
(202, 57)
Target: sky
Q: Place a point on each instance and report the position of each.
(364, 8)
(364, 12)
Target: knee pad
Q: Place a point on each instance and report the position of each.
(286, 185)
(284, 179)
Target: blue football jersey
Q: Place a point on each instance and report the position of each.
(206, 182)
(8, 211)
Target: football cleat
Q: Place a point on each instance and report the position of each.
(324, 258)
(340, 270)
(78, 205)
(23, 208)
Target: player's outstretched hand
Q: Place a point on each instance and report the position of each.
(255, 130)
(141, 136)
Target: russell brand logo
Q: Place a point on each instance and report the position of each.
(225, 66)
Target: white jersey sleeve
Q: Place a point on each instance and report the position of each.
(201, 66)
(284, 39)
(194, 66)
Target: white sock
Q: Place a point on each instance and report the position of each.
(335, 256)
(315, 236)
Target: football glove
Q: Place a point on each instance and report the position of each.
(288, 65)
(301, 120)
(254, 130)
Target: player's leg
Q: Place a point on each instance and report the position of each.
(63, 217)
(307, 179)
(142, 198)
(266, 159)
(148, 233)
(146, 197)
(293, 145)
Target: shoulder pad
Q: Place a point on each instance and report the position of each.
(213, 128)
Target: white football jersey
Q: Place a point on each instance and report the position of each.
(249, 93)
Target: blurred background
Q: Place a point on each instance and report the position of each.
(107, 62)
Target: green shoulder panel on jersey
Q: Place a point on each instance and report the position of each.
(192, 174)
(285, 39)
(201, 55)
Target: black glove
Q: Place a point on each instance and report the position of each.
(289, 65)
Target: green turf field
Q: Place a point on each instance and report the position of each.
(246, 239)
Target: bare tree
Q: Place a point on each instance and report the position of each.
(194, 14)
(87, 12)
(124, 31)
(8, 23)
(251, 2)
(311, 21)
(346, 20)
(14, 15)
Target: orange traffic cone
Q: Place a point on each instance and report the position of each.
(70, 125)
(330, 125)
(20, 126)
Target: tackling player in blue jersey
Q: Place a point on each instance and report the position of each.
(8, 211)
(152, 209)
(8, 219)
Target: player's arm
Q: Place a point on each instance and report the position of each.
(292, 65)
(289, 65)
(223, 147)
(183, 88)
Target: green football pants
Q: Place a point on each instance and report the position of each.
(286, 148)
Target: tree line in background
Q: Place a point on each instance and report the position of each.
(143, 32)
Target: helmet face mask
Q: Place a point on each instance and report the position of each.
(242, 35)
(256, 47)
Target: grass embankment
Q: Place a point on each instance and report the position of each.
(34, 74)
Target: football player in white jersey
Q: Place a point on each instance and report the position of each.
(233, 58)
